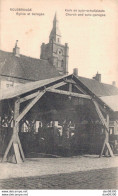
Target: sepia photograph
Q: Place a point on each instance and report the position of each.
(58, 96)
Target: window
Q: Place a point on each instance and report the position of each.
(111, 130)
(62, 63)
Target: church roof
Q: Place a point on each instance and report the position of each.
(26, 68)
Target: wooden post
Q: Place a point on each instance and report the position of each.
(29, 106)
(107, 135)
(106, 140)
(0, 116)
(106, 125)
(15, 141)
(70, 87)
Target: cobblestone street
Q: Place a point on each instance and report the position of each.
(93, 179)
(83, 172)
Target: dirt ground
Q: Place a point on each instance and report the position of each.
(81, 172)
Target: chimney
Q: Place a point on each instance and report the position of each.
(114, 83)
(75, 71)
(97, 77)
(16, 50)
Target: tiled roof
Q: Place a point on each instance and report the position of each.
(28, 87)
(26, 67)
(111, 101)
(99, 88)
(32, 69)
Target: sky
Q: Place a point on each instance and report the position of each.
(92, 40)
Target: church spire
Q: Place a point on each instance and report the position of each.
(55, 34)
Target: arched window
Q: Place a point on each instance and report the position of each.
(62, 63)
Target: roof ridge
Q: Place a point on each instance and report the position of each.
(22, 55)
(96, 81)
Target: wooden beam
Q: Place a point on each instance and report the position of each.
(21, 150)
(28, 97)
(17, 152)
(7, 150)
(109, 149)
(62, 92)
(70, 87)
(101, 115)
(106, 140)
(58, 85)
(29, 106)
(80, 89)
(15, 141)
(70, 81)
(103, 147)
(106, 125)
(31, 96)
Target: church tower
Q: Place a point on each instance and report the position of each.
(55, 52)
